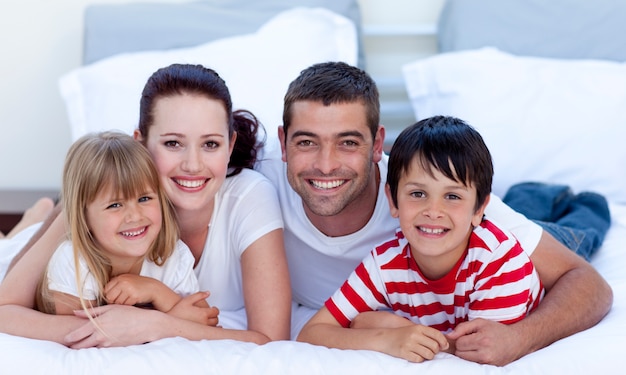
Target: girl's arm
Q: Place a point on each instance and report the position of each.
(266, 286)
(129, 289)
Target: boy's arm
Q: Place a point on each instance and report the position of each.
(414, 343)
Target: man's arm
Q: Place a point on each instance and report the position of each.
(577, 298)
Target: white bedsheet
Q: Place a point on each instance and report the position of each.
(599, 350)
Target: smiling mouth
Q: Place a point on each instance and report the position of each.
(326, 185)
(192, 184)
(432, 230)
(134, 233)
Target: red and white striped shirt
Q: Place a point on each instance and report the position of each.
(494, 280)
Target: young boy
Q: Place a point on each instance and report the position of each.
(447, 264)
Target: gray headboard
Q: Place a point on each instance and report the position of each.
(115, 28)
(574, 29)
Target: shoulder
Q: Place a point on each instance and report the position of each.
(245, 180)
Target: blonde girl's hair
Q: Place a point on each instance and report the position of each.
(117, 162)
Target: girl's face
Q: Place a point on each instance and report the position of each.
(124, 228)
(191, 148)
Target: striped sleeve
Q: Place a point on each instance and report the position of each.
(362, 291)
(507, 287)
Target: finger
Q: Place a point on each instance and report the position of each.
(196, 297)
(78, 335)
(463, 329)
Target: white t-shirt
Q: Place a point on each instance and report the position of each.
(176, 272)
(246, 208)
(319, 264)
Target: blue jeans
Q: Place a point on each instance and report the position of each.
(579, 221)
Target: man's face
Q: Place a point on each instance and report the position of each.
(330, 155)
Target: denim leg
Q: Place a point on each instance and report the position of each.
(578, 221)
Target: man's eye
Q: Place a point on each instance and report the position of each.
(305, 143)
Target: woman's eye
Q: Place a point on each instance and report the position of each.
(171, 143)
(212, 144)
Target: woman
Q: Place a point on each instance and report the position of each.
(228, 215)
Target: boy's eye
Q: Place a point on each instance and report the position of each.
(453, 197)
(417, 194)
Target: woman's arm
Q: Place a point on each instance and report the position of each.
(20, 284)
(266, 286)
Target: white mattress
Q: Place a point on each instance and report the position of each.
(599, 350)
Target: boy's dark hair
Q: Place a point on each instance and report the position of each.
(447, 144)
(333, 83)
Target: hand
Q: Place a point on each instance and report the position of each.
(195, 308)
(117, 325)
(415, 343)
(129, 289)
(486, 341)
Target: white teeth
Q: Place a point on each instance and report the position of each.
(327, 184)
(431, 231)
(134, 233)
(190, 183)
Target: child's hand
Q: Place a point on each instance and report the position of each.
(195, 308)
(129, 289)
(415, 343)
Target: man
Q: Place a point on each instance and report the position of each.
(335, 211)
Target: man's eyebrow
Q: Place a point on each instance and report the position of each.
(351, 133)
(303, 133)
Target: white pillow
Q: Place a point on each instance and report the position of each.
(550, 120)
(257, 69)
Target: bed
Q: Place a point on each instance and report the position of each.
(549, 111)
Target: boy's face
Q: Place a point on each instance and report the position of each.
(436, 216)
(330, 155)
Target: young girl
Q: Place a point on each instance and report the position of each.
(123, 245)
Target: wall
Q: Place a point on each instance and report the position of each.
(42, 40)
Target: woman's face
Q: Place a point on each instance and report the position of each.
(190, 145)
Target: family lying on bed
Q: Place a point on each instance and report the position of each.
(331, 186)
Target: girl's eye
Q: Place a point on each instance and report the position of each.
(114, 205)
(145, 199)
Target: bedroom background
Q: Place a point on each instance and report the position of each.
(43, 40)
